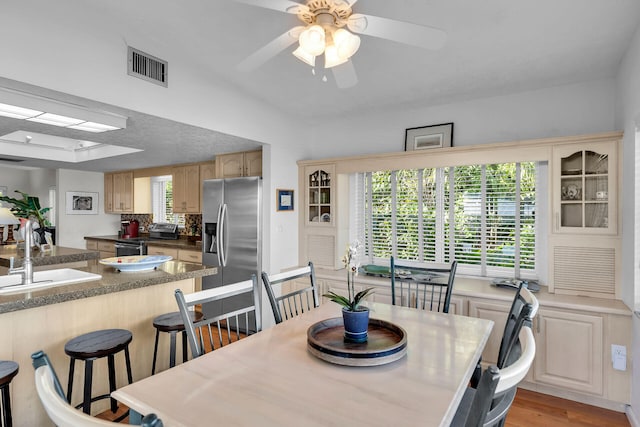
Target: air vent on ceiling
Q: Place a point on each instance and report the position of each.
(147, 67)
(7, 159)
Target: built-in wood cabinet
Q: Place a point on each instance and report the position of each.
(186, 189)
(162, 250)
(207, 171)
(107, 249)
(118, 192)
(190, 256)
(585, 187)
(233, 165)
(569, 350)
(318, 191)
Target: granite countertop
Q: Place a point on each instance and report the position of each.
(57, 255)
(112, 281)
(181, 243)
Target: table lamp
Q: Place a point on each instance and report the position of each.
(7, 218)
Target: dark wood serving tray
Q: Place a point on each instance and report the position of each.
(387, 343)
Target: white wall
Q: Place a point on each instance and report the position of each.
(628, 118)
(72, 229)
(558, 111)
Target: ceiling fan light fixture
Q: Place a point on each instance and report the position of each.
(346, 43)
(312, 40)
(331, 57)
(305, 56)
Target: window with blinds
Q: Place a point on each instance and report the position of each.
(483, 216)
(162, 201)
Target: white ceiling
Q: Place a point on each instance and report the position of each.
(493, 47)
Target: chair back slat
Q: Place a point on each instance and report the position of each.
(293, 303)
(231, 325)
(426, 288)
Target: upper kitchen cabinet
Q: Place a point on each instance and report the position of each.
(186, 189)
(585, 188)
(233, 165)
(207, 171)
(118, 192)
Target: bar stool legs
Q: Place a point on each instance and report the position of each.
(8, 370)
(92, 346)
(171, 323)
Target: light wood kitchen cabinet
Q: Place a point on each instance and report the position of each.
(162, 250)
(233, 165)
(118, 192)
(207, 171)
(107, 249)
(186, 189)
(190, 256)
(569, 350)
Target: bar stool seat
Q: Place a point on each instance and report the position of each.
(8, 370)
(95, 345)
(172, 323)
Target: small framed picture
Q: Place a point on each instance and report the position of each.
(426, 137)
(284, 200)
(81, 203)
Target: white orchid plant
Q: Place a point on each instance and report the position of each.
(351, 263)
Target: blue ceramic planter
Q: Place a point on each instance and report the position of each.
(356, 324)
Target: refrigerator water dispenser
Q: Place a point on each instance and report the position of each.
(210, 237)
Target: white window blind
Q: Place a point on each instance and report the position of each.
(162, 201)
(483, 216)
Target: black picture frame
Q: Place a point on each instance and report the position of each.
(428, 137)
(284, 200)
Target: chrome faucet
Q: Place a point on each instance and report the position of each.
(27, 266)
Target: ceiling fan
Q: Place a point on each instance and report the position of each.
(324, 35)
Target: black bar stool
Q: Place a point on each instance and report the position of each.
(92, 346)
(8, 370)
(172, 323)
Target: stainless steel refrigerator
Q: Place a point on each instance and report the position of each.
(232, 236)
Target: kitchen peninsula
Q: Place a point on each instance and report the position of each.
(45, 319)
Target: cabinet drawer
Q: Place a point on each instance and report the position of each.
(92, 245)
(159, 250)
(106, 247)
(190, 256)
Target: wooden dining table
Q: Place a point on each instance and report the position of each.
(271, 379)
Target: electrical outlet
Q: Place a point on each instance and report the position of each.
(619, 357)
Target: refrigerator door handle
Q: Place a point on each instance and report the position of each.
(225, 237)
(219, 235)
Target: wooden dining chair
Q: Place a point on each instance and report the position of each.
(55, 403)
(216, 331)
(489, 404)
(300, 298)
(422, 287)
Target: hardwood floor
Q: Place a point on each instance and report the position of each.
(531, 409)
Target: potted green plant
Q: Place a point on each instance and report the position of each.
(29, 206)
(355, 317)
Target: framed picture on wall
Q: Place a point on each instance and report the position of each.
(81, 203)
(284, 200)
(427, 137)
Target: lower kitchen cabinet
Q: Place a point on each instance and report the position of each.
(569, 350)
(162, 250)
(190, 256)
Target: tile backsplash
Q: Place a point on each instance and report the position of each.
(192, 222)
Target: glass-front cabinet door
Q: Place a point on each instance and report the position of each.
(585, 188)
(319, 195)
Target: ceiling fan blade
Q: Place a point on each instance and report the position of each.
(402, 32)
(286, 6)
(270, 50)
(345, 75)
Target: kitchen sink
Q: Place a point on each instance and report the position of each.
(12, 283)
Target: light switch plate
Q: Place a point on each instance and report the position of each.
(619, 357)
